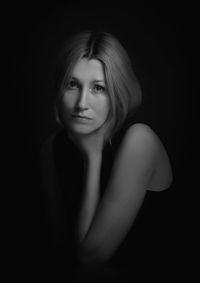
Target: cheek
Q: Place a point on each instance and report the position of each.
(68, 101)
(102, 109)
(65, 108)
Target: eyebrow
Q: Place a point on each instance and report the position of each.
(96, 81)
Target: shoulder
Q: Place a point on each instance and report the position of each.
(47, 163)
(47, 146)
(141, 145)
(138, 150)
(48, 167)
(141, 138)
(139, 128)
(56, 149)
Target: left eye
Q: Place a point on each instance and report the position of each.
(98, 88)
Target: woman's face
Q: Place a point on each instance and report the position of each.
(85, 101)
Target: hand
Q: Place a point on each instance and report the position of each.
(90, 145)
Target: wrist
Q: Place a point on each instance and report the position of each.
(93, 159)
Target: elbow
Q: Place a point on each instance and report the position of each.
(93, 258)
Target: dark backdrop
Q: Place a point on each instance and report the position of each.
(159, 39)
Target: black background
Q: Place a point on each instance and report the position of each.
(159, 39)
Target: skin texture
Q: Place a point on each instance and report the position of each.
(86, 95)
(133, 168)
(101, 228)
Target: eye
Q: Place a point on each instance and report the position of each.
(98, 88)
(73, 85)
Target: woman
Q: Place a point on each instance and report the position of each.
(98, 169)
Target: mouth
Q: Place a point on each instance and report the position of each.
(81, 117)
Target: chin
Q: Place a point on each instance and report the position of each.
(82, 130)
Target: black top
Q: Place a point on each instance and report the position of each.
(148, 239)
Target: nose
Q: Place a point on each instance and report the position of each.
(82, 100)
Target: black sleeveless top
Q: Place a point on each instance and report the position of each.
(147, 241)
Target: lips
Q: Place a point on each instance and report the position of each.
(80, 117)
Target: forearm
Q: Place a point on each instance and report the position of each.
(90, 197)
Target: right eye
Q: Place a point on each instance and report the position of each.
(73, 85)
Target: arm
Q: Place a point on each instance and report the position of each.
(113, 216)
(90, 197)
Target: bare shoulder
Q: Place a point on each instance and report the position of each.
(141, 140)
(141, 137)
(139, 149)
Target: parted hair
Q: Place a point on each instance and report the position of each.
(122, 85)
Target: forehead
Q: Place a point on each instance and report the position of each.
(86, 69)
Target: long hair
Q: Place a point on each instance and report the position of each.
(123, 87)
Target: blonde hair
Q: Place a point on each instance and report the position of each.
(122, 85)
